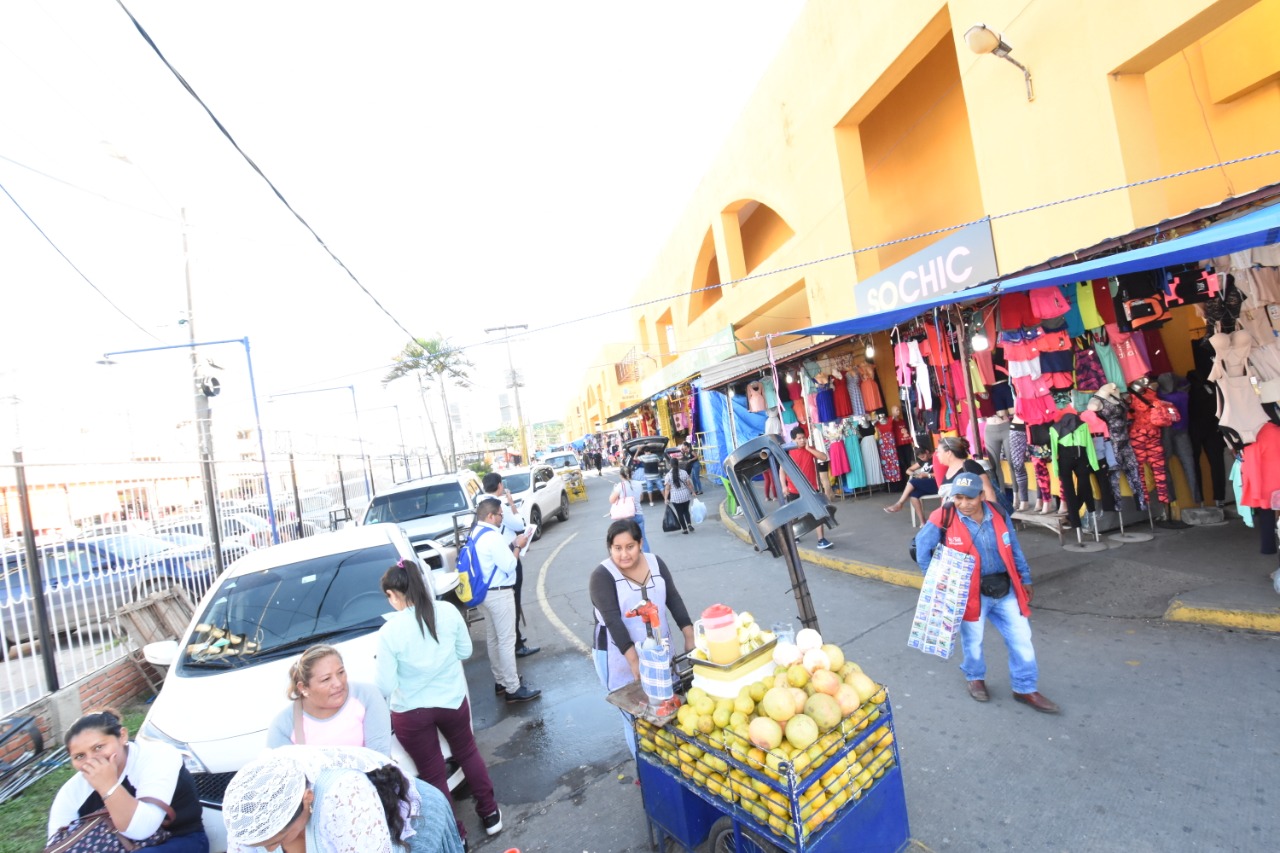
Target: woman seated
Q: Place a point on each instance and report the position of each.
(334, 800)
(920, 483)
(135, 782)
(327, 710)
(953, 452)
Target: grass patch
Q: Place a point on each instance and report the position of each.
(24, 819)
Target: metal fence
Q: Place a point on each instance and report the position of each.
(81, 540)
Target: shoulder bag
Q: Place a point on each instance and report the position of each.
(95, 833)
(625, 505)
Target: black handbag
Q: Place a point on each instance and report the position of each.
(670, 524)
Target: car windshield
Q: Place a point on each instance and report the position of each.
(517, 483)
(442, 499)
(279, 612)
(132, 546)
(178, 537)
(560, 462)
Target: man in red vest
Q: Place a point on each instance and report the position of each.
(1000, 589)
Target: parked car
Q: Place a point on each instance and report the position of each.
(634, 448)
(263, 613)
(429, 509)
(147, 563)
(242, 530)
(77, 595)
(563, 461)
(539, 493)
(182, 539)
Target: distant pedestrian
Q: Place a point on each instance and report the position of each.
(652, 466)
(626, 488)
(807, 458)
(676, 491)
(599, 461)
(692, 464)
(980, 527)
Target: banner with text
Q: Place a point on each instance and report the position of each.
(961, 259)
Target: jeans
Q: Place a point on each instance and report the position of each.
(601, 659)
(695, 469)
(419, 733)
(644, 540)
(192, 842)
(1016, 630)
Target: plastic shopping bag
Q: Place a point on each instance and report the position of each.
(697, 511)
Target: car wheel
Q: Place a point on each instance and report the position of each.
(564, 506)
(535, 517)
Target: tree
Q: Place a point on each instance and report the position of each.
(434, 360)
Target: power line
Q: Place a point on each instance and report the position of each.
(222, 129)
(71, 264)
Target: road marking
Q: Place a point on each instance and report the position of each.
(546, 607)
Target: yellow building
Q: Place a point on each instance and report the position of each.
(878, 123)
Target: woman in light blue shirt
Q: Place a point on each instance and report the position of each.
(420, 653)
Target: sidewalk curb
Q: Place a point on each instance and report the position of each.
(1178, 610)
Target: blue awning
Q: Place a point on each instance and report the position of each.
(1260, 228)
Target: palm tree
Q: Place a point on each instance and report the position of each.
(434, 360)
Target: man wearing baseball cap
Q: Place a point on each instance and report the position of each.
(999, 591)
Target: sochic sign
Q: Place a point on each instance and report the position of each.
(961, 259)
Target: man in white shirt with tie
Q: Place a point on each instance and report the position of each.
(512, 526)
(499, 558)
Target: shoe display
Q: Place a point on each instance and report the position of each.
(1038, 701)
(824, 543)
(524, 694)
(492, 823)
(978, 690)
(525, 651)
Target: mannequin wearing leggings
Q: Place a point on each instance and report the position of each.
(1018, 460)
(1116, 414)
(996, 438)
(1205, 437)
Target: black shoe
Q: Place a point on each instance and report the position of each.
(492, 823)
(525, 651)
(524, 694)
(498, 689)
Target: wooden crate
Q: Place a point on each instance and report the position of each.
(159, 616)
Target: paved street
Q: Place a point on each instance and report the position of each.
(1167, 740)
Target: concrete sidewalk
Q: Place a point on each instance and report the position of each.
(1212, 575)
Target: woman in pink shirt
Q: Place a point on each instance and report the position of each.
(328, 710)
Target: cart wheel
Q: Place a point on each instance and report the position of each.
(720, 840)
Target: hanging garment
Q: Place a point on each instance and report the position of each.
(870, 387)
(1231, 354)
(1048, 302)
(1018, 458)
(838, 459)
(996, 439)
(1043, 490)
(840, 394)
(1239, 408)
(853, 385)
(888, 451)
(825, 403)
(1206, 438)
(770, 391)
(755, 397)
(856, 478)
(1073, 317)
(1116, 414)
(1103, 300)
(1015, 312)
(1089, 373)
(1260, 471)
(871, 461)
(1089, 315)
(1157, 353)
(1110, 364)
(1074, 460)
(1132, 363)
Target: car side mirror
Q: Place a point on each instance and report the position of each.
(160, 653)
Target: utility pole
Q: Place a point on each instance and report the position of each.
(204, 417)
(515, 388)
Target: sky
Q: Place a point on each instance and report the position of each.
(474, 165)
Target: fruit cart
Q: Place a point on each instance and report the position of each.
(718, 793)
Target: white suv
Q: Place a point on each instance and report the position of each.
(230, 669)
(429, 509)
(539, 493)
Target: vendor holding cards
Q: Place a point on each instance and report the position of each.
(1000, 590)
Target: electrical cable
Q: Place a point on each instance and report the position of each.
(223, 130)
(71, 264)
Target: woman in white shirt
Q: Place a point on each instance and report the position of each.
(420, 653)
(123, 776)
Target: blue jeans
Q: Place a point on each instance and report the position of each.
(644, 540)
(695, 468)
(601, 659)
(194, 842)
(1016, 630)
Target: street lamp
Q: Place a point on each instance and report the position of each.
(515, 388)
(257, 422)
(364, 461)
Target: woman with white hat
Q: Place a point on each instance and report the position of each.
(333, 800)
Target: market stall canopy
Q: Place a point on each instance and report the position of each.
(729, 370)
(1259, 228)
(625, 412)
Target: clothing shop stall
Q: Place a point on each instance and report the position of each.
(1118, 382)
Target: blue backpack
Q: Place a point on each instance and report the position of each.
(472, 586)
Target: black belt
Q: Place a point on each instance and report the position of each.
(496, 588)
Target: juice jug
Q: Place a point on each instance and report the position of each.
(717, 632)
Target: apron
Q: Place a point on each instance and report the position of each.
(628, 598)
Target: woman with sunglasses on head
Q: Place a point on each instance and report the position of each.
(420, 653)
(329, 710)
(334, 799)
(141, 785)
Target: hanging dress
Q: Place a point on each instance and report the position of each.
(870, 388)
(853, 384)
(871, 460)
(887, 442)
(857, 476)
(840, 394)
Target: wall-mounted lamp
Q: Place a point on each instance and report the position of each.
(788, 378)
(981, 39)
(979, 342)
(871, 350)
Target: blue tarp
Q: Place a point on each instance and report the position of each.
(713, 408)
(1259, 228)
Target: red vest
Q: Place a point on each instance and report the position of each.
(956, 536)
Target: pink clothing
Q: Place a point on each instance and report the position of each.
(1097, 426)
(1260, 472)
(1036, 410)
(1048, 302)
(1132, 362)
(839, 459)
